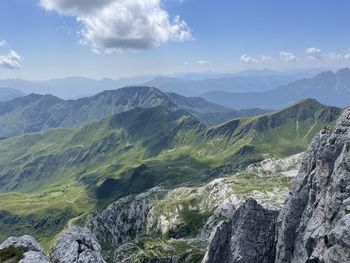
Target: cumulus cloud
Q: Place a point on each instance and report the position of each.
(203, 62)
(118, 25)
(12, 60)
(288, 56)
(314, 53)
(247, 59)
(347, 56)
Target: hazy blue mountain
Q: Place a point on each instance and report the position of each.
(328, 87)
(188, 84)
(9, 94)
(188, 87)
(70, 87)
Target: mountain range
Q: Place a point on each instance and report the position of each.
(187, 87)
(62, 174)
(328, 87)
(187, 84)
(34, 113)
(152, 174)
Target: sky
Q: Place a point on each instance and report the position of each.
(43, 39)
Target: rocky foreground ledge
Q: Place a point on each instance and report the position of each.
(312, 227)
(76, 245)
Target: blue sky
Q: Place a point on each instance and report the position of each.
(41, 39)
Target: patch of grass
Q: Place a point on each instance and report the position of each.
(246, 183)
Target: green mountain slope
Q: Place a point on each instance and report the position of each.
(68, 173)
(35, 113)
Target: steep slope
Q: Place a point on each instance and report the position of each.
(313, 225)
(35, 113)
(327, 87)
(9, 94)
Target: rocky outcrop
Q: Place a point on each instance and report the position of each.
(313, 226)
(25, 249)
(247, 237)
(77, 245)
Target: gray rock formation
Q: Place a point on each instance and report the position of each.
(248, 237)
(28, 246)
(77, 245)
(24, 244)
(313, 226)
(126, 219)
(34, 257)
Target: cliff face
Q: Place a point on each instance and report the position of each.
(313, 225)
(247, 237)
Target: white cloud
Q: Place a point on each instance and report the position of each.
(264, 58)
(11, 60)
(203, 62)
(288, 56)
(3, 43)
(347, 56)
(118, 25)
(314, 53)
(247, 59)
(334, 56)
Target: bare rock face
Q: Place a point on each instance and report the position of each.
(77, 245)
(247, 237)
(313, 226)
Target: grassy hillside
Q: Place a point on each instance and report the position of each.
(68, 173)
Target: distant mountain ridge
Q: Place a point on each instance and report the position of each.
(187, 87)
(328, 87)
(34, 113)
(9, 94)
(187, 84)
